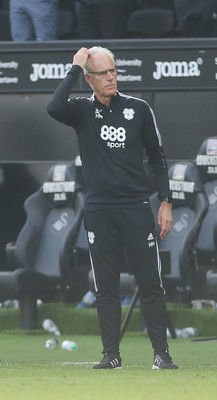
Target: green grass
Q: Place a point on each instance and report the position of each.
(82, 321)
(29, 371)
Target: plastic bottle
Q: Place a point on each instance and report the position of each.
(51, 343)
(51, 327)
(189, 332)
(186, 332)
(69, 345)
(88, 300)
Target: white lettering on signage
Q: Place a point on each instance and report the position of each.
(129, 78)
(9, 64)
(49, 71)
(212, 170)
(123, 75)
(206, 160)
(52, 187)
(177, 69)
(122, 62)
(178, 195)
(7, 79)
(182, 186)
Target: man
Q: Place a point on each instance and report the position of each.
(113, 129)
(33, 20)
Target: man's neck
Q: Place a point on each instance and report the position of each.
(106, 100)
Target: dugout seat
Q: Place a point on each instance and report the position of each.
(206, 245)
(42, 256)
(190, 205)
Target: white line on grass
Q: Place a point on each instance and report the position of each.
(66, 363)
(77, 363)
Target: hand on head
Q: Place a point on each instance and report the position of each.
(80, 58)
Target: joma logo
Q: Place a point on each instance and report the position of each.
(176, 69)
(49, 71)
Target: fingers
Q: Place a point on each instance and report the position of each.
(80, 58)
(165, 231)
(165, 218)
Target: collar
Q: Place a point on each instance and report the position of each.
(114, 100)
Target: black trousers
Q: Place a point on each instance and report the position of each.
(113, 233)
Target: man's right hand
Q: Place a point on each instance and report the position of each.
(80, 58)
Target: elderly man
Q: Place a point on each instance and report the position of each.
(113, 129)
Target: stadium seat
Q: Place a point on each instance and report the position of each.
(151, 23)
(190, 205)
(196, 18)
(42, 257)
(206, 245)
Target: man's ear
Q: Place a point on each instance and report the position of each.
(88, 79)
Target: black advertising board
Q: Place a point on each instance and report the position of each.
(143, 65)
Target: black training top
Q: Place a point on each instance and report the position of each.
(112, 142)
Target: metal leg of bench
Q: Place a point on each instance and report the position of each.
(129, 312)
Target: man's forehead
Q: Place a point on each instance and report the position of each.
(100, 58)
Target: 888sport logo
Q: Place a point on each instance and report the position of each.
(115, 137)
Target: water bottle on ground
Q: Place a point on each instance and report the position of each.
(51, 343)
(69, 345)
(184, 333)
(51, 327)
(189, 332)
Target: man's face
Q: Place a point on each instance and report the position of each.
(102, 76)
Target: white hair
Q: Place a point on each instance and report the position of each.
(97, 50)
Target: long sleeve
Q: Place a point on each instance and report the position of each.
(156, 156)
(59, 106)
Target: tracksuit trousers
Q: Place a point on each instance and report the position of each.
(114, 233)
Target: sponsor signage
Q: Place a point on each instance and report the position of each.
(140, 69)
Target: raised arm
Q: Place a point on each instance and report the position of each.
(59, 106)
